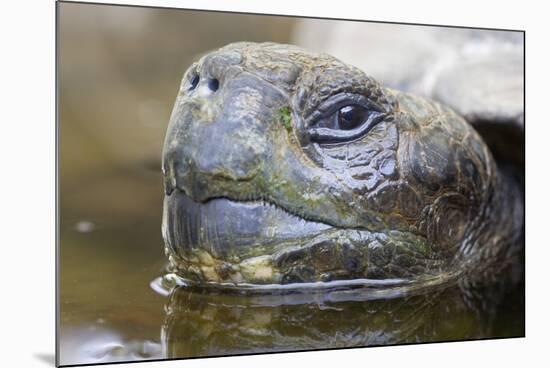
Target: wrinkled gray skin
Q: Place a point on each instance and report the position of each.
(259, 189)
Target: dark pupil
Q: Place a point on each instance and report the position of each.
(350, 117)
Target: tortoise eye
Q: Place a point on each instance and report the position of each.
(344, 124)
(352, 116)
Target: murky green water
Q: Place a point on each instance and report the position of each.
(110, 312)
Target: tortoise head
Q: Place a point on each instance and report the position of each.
(282, 165)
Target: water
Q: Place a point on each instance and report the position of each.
(110, 312)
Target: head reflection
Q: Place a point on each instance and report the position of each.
(207, 323)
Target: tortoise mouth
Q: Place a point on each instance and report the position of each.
(223, 241)
(226, 227)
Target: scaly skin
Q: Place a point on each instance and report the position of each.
(263, 188)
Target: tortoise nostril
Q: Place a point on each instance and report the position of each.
(194, 82)
(213, 84)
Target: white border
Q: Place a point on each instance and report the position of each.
(27, 154)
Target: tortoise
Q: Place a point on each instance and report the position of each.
(285, 168)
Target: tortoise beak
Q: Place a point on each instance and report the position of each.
(224, 226)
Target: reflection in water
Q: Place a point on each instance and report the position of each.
(92, 344)
(200, 323)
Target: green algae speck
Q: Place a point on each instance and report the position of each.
(284, 117)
